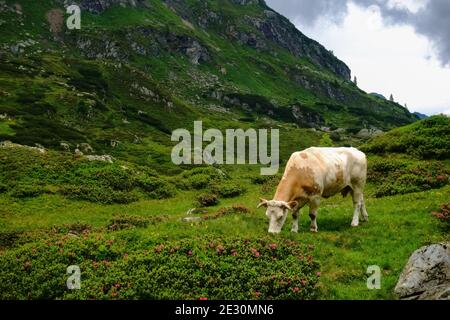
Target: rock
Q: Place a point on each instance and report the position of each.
(426, 276)
(197, 211)
(369, 133)
(9, 144)
(104, 158)
(191, 219)
(98, 6)
(196, 52)
(65, 146)
(86, 147)
(114, 143)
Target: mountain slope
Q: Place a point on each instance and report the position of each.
(139, 69)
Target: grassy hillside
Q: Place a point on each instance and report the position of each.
(129, 230)
(133, 74)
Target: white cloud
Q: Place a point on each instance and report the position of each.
(387, 59)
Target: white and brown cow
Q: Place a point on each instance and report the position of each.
(315, 173)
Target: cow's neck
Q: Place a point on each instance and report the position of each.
(286, 191)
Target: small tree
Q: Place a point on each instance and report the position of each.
(391, 98)
(326, 141)
(355, 81)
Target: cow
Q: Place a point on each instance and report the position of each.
(313, 174)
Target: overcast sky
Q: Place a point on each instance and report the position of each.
(399, 47)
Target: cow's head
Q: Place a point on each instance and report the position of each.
(277, 212)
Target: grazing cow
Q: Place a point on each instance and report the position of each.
(315, 173)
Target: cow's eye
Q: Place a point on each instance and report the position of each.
(280, 215)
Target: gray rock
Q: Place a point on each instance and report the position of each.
(426, 276)
(191, 219)
(369, 133)
(104, 158)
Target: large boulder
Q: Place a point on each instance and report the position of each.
(426, 276)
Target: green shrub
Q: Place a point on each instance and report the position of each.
(3, 187)
(156, 188)
(259, 179)
(226, 268)
(106, 175)
(198, 178)
(98, 194)
(228, 189)
(128, 222)
(26, 190)
(8, 238)
(207, 200)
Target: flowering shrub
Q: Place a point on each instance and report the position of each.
(225, 268)
(443, 215)
(122, 222)
(395, 176)
(207, 200)
(234, 209)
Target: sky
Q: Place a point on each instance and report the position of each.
(398, 47)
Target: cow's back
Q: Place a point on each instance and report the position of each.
(329, 170)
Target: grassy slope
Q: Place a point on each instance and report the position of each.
(398, 225)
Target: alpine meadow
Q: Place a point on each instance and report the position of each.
(87, 177)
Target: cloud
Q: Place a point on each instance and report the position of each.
(429, 18)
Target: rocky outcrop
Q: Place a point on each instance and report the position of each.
(280, 30)
(268, 28)
(426, 276)
(98, 6)
(307, 118)
(369, 133)
(142, 41)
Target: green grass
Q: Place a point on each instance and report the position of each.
(398, 225)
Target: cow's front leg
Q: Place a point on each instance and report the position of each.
(313, 207)
(295, 216)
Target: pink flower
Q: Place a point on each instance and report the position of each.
(189, 253)
(296, 289)
(303, 282)
(203, 299)
(318, 274)
(273, 246)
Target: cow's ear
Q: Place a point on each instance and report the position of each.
(263, 203)
(291, 205)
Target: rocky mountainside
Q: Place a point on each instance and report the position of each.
(138, 69)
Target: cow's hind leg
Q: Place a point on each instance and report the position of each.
(313, 207)
(364, 213)
(358, 203)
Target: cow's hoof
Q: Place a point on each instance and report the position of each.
(294, 230)
(354, 225)
(313, 230)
